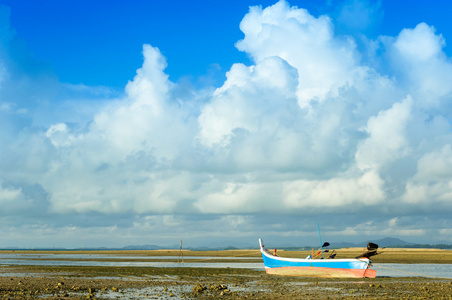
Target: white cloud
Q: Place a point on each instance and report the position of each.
(147, 120)
(252, 99)
(387, 139)
(417, 54)
(408, 44)
(324, 62)
(58, 135)
(338, 192)
(436, 165)
(9, 195)
(432, 183)
(310, 126)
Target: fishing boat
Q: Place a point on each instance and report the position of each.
(322, 267)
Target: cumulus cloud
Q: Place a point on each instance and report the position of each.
(9, 195)
(312, 126)
(387, 141)
(324, 62)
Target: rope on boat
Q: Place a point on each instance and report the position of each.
(412, 273)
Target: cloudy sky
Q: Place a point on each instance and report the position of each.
(220, 122)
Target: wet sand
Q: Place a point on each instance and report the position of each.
(388, 255)
(67, 282)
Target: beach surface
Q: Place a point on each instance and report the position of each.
(94, 282)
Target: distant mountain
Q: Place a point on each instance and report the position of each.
(232, 245)
(390, 242)
(143, 247)
(384, 242)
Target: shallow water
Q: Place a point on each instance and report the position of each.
(409, 270)
(104, 256)
(383, 270)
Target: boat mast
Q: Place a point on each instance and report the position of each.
(320, 238)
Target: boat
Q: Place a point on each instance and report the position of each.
(311, 266)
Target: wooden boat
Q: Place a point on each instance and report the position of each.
(324, 267)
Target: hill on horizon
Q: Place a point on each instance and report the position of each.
(386, 242)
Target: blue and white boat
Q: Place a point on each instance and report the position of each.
(312, 267)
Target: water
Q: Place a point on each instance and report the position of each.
(24, 256)
(98, 260)
(383, 270)
(409, 270)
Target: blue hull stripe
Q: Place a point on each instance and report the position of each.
(270, 262)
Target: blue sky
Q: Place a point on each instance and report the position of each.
(99, 42)
(148, 121)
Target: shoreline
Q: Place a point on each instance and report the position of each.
(388, 255)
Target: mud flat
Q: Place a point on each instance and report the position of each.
(39, 282)
(91, 282)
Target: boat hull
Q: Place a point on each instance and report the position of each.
(322, 272)
(341, 268)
